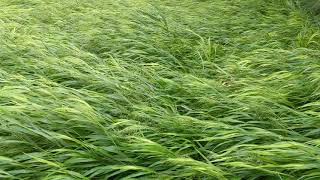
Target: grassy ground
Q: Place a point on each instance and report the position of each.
(312, 6)
(164, 89)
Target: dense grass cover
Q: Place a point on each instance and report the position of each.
(313, 6)
(165, 89)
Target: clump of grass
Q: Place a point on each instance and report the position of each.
(158, 90)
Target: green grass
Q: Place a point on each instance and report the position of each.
(312, 6)
(164, 89)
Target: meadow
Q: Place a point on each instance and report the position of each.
(311, 6)
(162, 89)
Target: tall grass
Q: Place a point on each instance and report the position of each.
(312, 5)
(113, 89)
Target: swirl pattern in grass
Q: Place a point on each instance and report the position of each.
(164, 89)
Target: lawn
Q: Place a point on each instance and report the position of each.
(162, 89)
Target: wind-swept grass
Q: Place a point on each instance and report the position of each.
(312, 5)
(101, 89)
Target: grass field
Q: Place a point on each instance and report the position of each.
(163, 89)
(312, 6)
